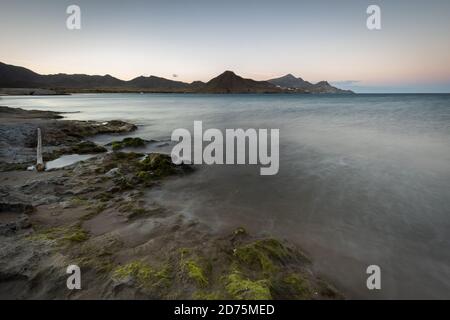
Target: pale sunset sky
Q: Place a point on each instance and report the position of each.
(259, 39)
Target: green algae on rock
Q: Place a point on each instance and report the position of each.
(262, 254)
(241, 288)
(128, 143)
(62, 234)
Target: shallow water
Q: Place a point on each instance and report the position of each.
(363, 179)
(67, 160)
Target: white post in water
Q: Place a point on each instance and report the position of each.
(39, 161)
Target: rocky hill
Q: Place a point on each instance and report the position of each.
(227, 82)
(290, 82)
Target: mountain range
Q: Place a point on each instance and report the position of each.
(227, 82)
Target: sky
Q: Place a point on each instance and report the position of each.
(189, 40)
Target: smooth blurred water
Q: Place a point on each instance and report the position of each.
(67, 160)
(363, 179)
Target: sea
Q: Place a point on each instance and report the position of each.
(363, 179)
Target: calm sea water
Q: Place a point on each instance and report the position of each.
(363, 179)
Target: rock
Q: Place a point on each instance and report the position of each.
(160, 165)
(113, 189)
(85, 190)
(66, 204)
(13, 217)
(4, 166)
(16, 208)
(18, 136)
(82, 129)
(19, 113)
(7, 229)
(128, 143)
(38, 201)
(84, 147)
(112, 173)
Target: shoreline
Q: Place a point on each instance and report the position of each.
(94, 214)
(49, 92)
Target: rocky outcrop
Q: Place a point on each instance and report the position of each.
(14, 217)
(18, 142)
(291, 83)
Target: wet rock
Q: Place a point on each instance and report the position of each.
(18, 113)
(29, 269)
(113, 173)
(18, 136)
(160, 165)
(128, 143)
(66, 204)
(85, 190)
(38, 201)
(5, 166)
(13, 217)
(84, 147)
(16, 208)
(22, 222)
(82, 129)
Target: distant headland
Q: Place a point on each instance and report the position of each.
(19, 80)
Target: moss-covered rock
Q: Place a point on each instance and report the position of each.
(195, 272)
(98, 255)
(145, 275)
(204, 295)
(125, 156)
(240, 232)
(86, 147)
(137, 213)
(136, 169)
(62, 235)
(142, 272)
(144, 175)
(160, 165)
(128, 143)
(121, 161)
(76, 235)
(297, 286)
(84, 129)
(262, 254)
(123, 183)
(241, 288)
(78, 201)
(94, 210)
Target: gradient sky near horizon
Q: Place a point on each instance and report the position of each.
(259, 39)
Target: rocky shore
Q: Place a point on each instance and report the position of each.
(29, 92)
(94, 214)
